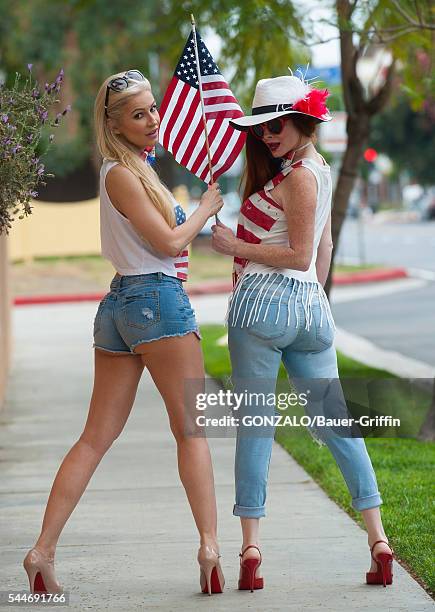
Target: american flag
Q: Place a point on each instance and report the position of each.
(182, 126)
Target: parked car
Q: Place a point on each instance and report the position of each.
(425, 204)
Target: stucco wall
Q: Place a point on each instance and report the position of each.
(5, 318)
(57, 229)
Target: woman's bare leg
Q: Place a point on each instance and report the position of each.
(172, 361)
(250, 532)
(375, 531)
(115, 386)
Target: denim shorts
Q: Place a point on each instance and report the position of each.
(142, 308)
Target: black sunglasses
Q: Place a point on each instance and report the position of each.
(121, 83)
(273, 125)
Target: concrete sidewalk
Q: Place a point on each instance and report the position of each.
(131, 543)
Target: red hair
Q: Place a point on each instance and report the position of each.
(260, 164)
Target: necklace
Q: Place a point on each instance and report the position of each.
(289, 156)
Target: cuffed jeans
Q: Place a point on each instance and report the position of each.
(303, 339)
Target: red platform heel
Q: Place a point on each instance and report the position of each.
(384, 562)
(247, 579)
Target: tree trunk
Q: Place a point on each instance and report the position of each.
(427, 431)
(357, 128)
(359, 112)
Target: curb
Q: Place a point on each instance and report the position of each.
(369, 276)
(216, 287)
(56, 299)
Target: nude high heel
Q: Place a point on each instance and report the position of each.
(211, 577)
(40, 571)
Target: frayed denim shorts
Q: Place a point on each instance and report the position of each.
(142, 308)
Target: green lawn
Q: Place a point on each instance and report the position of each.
(204, 265)
(351, 268)
(404, 466)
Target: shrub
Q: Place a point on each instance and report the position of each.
(24, 116)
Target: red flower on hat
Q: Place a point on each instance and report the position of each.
(313, 103)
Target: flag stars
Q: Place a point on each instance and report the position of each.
(188, 66)
(180, 215)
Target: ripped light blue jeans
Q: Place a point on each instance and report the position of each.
(270, 321)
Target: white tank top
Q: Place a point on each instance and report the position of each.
(262, 220)
(125, 248)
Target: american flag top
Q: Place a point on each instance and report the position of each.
(182, 130)
(182, 259)
(262, 220)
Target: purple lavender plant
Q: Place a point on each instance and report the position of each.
(24, 118)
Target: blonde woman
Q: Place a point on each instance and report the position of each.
(145, 320)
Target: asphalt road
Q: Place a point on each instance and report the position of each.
(398, 244)
(402, 320)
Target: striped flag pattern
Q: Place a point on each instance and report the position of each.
(182, 264)
(182, 126)
(261, 218)
(181, 261)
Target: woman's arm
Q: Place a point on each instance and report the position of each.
(128, 195)
(298, 197)
(324, 252)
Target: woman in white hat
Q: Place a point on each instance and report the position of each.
(279, 311)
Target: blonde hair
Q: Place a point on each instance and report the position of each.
(112, 147)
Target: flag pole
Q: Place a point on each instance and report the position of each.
(198, 70)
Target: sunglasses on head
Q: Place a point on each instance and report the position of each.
(121, 83)
(273, 125)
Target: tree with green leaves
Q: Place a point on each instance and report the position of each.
(260, 38)
(402, 29)
(89, 40)
(407, 137)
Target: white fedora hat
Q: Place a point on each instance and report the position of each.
(281, 96)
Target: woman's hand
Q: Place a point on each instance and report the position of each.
(223, 240)
(212, 199)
